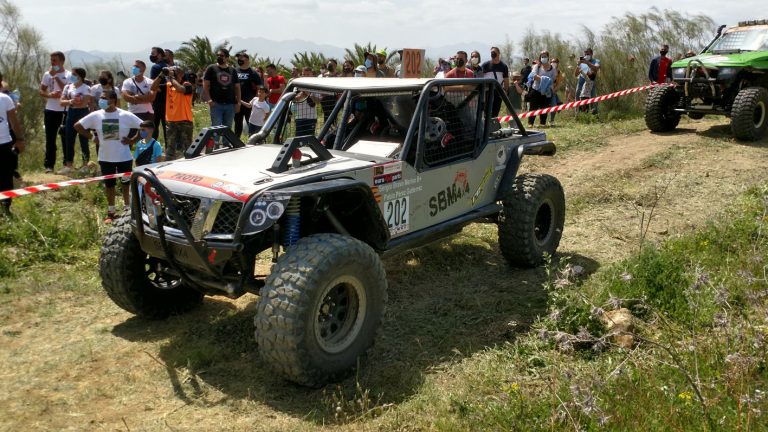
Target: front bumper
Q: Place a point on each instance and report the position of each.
(203, 260)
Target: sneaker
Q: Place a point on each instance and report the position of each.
(65, 171)
(48, 170)
(110, 217)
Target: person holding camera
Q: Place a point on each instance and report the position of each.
(157, 56)
(221, 88)
(249, 82)
(178, 110)
(587, 69)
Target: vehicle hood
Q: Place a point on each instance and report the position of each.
(757, 59)
(238, 174)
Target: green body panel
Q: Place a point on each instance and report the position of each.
(754, 59)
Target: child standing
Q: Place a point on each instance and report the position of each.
(148, 150)
(259, 110)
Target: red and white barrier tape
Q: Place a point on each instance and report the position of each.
(51, 186)
(577, 104)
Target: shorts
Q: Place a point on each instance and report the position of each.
(115, 168)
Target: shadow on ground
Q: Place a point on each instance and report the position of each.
(446, 302)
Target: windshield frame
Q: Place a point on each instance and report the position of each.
(753, 38)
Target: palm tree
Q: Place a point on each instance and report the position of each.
(356, 54)
(197, 53)
(311, 59)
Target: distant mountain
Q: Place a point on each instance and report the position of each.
(262, 47)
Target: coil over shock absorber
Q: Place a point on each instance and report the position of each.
(292, 232)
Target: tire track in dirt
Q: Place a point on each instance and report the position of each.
(685, 178)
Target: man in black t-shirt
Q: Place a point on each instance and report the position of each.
(157, 57)
(221, 88)
(249, 82)
(498, 70)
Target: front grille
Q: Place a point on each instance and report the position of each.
(187, 207)
(226, 220)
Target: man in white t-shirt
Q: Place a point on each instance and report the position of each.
(53, 82)
(115, 130)
(8, 149)
(137, 91)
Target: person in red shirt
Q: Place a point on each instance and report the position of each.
(661, 67)
(460, 71)
(276, 85)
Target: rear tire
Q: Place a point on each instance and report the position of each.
(749, 116)
(532, 220)
(135, 282)
(320, 308)
(659, 114)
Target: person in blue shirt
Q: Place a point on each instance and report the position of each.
(587, 65)
(148, 150)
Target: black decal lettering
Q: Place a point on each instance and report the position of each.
(454, 194)
(433, 206)
(442, 201)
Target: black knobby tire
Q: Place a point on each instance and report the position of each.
(659, 114)
(532, 220)
(749, 114)
(131, 280)
(320, 308)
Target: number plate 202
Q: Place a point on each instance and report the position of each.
(396, 215)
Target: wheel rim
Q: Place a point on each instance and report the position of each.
(340, 314)
(154, 271)
(544, 223)
(759, 115)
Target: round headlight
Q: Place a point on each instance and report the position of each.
(678, 73)
(727, 73)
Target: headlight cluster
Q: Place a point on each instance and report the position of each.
(678, 73)
(727, 73)
(266, 211)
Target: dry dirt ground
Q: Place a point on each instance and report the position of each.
(74, 361)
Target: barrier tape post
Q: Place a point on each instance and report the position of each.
(53, 186)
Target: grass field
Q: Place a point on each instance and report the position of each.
(670, 227)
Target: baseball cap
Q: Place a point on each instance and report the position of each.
(362, 69)
(382, 52)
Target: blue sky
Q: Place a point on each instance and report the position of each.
(132, 25)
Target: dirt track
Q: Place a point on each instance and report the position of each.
(75, 361)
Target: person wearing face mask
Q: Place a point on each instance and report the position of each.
(115, 129)
(76, 98)
(541, 82)
(53, 83)
(178, 111)
(106, 82)
(371, 66)
(137, 91)
(11, 144)
(348, 69)
(221, 88)
(157, 57)
(148, 150)
(249, 82)
(588, 66)
(660, 71)
(526, 69)
(498, 70)
(461, 70)
(474, 64)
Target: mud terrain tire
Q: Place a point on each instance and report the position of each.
(129, 278)
(320, 308)
(532, 219)
(659, 116)
(749, 115)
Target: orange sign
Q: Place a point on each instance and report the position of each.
(412, 61)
